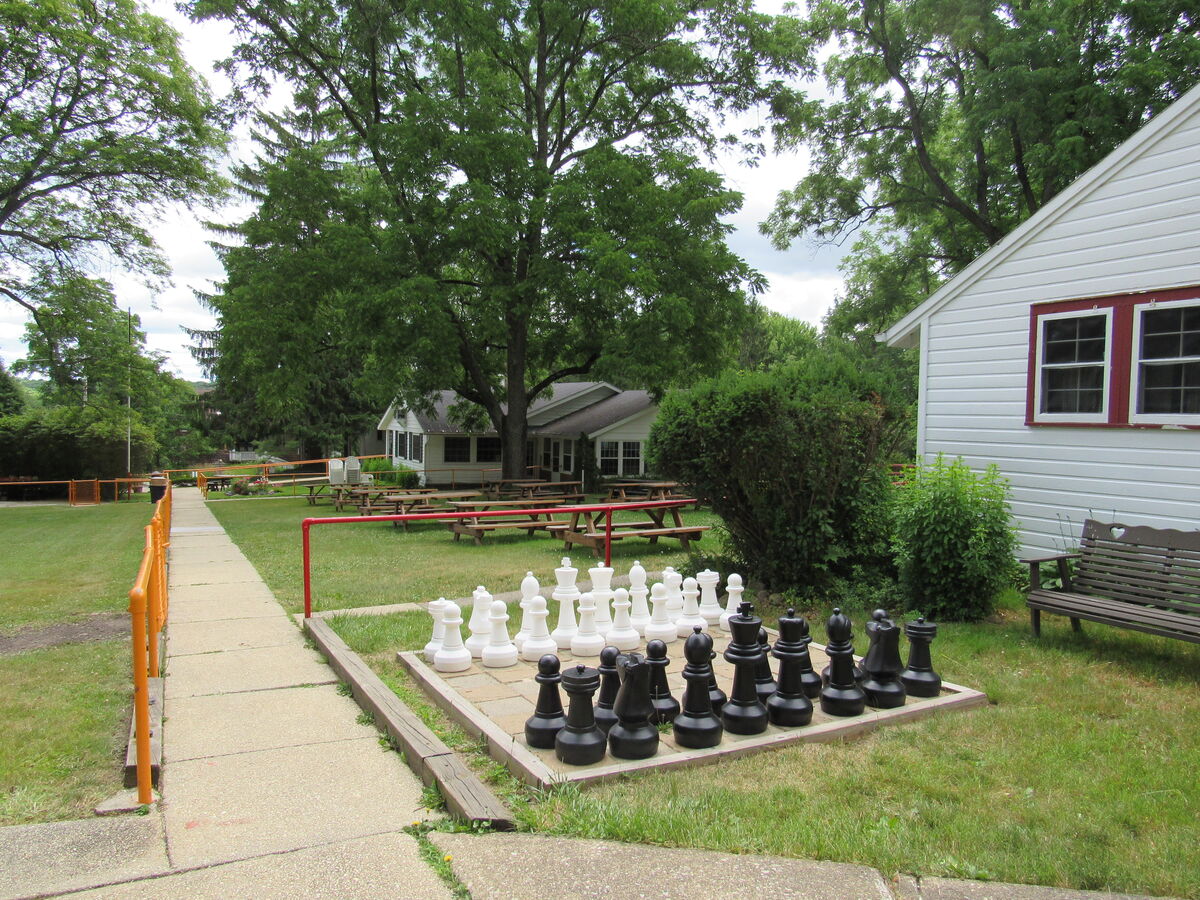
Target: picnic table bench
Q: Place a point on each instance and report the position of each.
(563, 490)
(1135, 577)
(529, 522)
(588, 529)
(508, 488)
(398, 504)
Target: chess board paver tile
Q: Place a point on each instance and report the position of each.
(493, 691)
(509, 706)
(463, 680)
(514, 725)
(527, 689)
(522, 671)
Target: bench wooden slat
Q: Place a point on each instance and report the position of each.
(1055, 600)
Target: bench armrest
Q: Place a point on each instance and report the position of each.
(1035, 569)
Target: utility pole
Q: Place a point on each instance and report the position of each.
(129, 394)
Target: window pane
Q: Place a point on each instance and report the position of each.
(1074, 340)
(1170, 389)
(631, 457)
(608, 457)
(487, 449)
(1073, 390)
(609, 448)
(418, 447)
(457, 449)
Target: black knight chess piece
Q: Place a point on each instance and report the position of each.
(547, 720)
(633, 737)
(697, 727)
(764, 681)
(610, 683)
(789, 706)
(841, 696)
(581, 742)
(882, 664)
(919, 678)
(665, 706)
(743, 712)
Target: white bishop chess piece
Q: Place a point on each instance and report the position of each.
(479, 625)
(539, 642)
(734, 586)
(639, 613)
(439, 628)
(529, 589)
(710, 604)
(602, 592)
(587, 641)
(566, 593)
(500, 651)
(453, 656)
(660, 628)
(691, 617)
(622, 634)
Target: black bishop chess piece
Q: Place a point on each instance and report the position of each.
(665, 706)
(764, 681)
(789, 706)
(697, 727)
(882, 664)
(547, 720)
(633, 737)
(841, 696)
(743, 712)
(581, 742)
(919, 678)
(610, 683)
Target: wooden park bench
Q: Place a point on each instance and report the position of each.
(1135, 577)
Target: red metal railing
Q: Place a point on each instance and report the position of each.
(607, 508)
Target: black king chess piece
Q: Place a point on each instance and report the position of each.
(665, 706)
(764, 681)
(697, 727)
(610, 682)
(789, 706)
(633, 737)
(919, 678)
(581, 742)
(547, 720)
(841, 696)
(743, 712)
(882, 663)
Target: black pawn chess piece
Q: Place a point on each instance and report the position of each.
(665, 706)
(789, 706)
(715, 694)
(808, 677)
(547, 720)
(633, 737)
(841, 696)
(610, 683)
(882, 663)
(764, 681)
(743, 712)
(919, 678)
(581, 742)
(697, 727)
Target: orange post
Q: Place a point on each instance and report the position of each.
(141, 685)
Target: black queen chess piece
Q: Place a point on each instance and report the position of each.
(633, 737)
(841, 696)
(547, 720)
(666, 707)
(882, 664)
(580, 742)
(743, 712)
(697, 727)
(764, 680)
(789, 706)
(919, 678)
(610, 683)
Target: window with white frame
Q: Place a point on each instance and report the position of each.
(631, 457)
(1072, 359)
(1167, 366)
(610, 457)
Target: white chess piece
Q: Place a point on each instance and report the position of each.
(480, 627)
(734, 586)
(622, 635)
(529, 589)
(566, 593)
(710, 606)
(439, 628)
(587, 641)
(500, 651)
(673, 581)
(453, 657)
(691, 610)
(639, 614)
(539, 642)
(602, 592)
(660, 627)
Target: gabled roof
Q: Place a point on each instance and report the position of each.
(603, 414)
(905, 332)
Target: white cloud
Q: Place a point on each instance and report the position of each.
(800, 295)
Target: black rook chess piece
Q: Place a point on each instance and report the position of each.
(610, 682)
(633, 737)
(764, 681)
(697, 727)
(841, 696)
(919, 678)
(789, 706)
(581, 742)
(882, 663)
(547, 720)
(665, 706)
(743, 712)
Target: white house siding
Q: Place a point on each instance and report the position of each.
(635, 428)
(1136, 230)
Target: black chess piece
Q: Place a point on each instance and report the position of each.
(581, 742)
(633, 737)
(789, 706)
(882, 664)
(743, 712)
(808, 677)
(665, 706)
(841, 696)
(610, 682)
(715, 695)
(919, 678)
(764, 681)
(547, 720)
(697, 727)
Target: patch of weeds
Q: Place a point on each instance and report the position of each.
(365, 718)
(431, 797)
(344, 689)
(664, 727)
(438, 861)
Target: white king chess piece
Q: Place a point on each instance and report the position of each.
(602, 591)
(566, 593)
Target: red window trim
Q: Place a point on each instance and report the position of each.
(1121, 353)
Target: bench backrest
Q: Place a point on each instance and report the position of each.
(1137, 564)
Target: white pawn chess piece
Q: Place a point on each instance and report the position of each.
(622, 635)
(566, 593)
(480, 627)
(691, 610)
(602, 592)
(710, 606)
(639, 613)
(660, 628)
(454, 656)
(734, 587)
(500, 651)
(673, 581)
(439, 628)
(529, 589)
(539, 642)
(587, 640)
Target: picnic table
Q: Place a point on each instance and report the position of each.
(547, 489)
(622, 491)
(502, 488)
(522, 519)
(587, 528)
(398, 504)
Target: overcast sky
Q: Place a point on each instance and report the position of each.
(803, 280)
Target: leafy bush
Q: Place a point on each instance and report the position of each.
(385, 472)
(65, 442)
(953, 540)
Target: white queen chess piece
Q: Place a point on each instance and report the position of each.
(602, 592)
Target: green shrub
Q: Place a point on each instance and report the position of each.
(384, 472)
(953, 540)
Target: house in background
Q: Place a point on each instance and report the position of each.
(615, 422)
(1069, 353)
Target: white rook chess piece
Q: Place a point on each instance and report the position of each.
(660, 628)
(500, 651)
(734, 586)
(529, 589)
(439, 628)
(622, 634)
(673, 581)
(539, 642)
(566, 593)
(639, 614)
(602, 592)
(710, 605)
(479, 625)
(691, 610)
(587, 640)
(453, 657)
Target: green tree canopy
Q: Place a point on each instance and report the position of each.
(11, 400)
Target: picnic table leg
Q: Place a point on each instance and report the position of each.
(1035, 622)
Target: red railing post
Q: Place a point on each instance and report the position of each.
(307, 570)
(608, 539)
